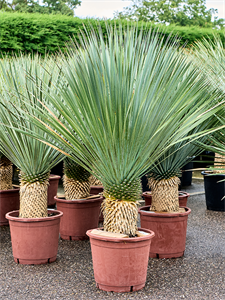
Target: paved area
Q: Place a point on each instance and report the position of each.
(199, 275)
(196, 188)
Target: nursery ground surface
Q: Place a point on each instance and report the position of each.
(200, 274)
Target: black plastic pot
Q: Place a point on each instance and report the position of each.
(186, 177)
(207, 157)
(214, 191)
(144, 182)
(58, 170)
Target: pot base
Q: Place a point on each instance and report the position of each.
(34, 261)
(215, 208)
(120, 289)
(166, 255)
(73, 238)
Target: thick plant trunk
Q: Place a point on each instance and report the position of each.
(165, 195)
(219, 163)
(94, 180)
(120, 206)
(120, 216)
(6, 173)
(33, 199)
(75, 189)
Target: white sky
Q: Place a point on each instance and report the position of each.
(106, 8)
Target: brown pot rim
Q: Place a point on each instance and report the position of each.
(148, 193)
(12, 216)
(14, 190)
(79, 201)
(185, 194)
(52, 176)
(124, 240)
(142, 211)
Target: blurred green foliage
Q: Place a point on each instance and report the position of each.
(177, 12)
(63, 7)
(31, 33)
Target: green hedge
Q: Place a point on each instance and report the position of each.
(20, 32)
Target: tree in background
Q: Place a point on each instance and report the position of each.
(6, 6)
(178, 12)
(64, 7)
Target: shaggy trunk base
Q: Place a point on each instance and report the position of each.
(120, 216)
(33, 200)
(94, 180)
(165, 194)
(219, 163)
(75, 189)
(6, 174)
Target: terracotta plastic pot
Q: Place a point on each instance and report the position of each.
(170, 232)
(183, 197)
(214, 191)
(9, 201)
(52, 189)
(78, 217)
(120, 264)
(95, 190)
(34, 241)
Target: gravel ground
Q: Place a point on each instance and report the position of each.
(196, 188)
(200, 274)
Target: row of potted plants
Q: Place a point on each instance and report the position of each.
(117, 107)
(212, 57)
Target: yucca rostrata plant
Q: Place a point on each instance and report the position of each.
(94, 180)
(163, 177)
(130, 95)
(33, 158)
(76, 181)
(210, 55)
(6, 173)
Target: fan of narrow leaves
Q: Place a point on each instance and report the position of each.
(33, 158)
(129, 96)
(164, 173)
(210, 56)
